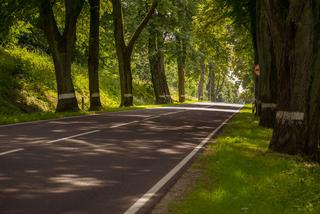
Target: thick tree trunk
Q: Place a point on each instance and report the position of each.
(268, 72)
(294, 30)
(66, 94)
(124, 51)
(312, 145)
(125, 78)
(157, 69)
(93, 61)
(211, 83)
(181, 61)
(201, 80)
(61, 47)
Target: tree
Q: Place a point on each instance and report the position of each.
(211, 83)
(294, 30)
(181, 62)
(184, 11)
(61, 47)
(124, 51)
(93, 60)
(268, 73)
(157, 67)
(201, 79)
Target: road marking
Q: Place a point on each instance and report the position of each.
(151, 192)
(73, 136)
(95, 131)
(11, 151)
(123, 124)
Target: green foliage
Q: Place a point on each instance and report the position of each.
(240, 175)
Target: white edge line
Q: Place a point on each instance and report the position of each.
(73, 136)
(11, 151)
(151, 192)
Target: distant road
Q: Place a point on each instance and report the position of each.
(108, 163)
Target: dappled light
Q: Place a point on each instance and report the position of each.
(123, 149)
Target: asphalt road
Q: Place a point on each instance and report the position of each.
(108, 163)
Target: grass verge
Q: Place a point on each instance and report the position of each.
(240, 175)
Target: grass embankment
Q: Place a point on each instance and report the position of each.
(240, 175)
(28, 87)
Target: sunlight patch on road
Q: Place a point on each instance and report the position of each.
(70, 182)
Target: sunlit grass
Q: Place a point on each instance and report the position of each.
(240, 175)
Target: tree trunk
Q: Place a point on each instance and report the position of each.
(124, 51)
(156, 61)
(219, 87)
(268, 72)
(124, 59)
(61, 47)
(211, 83)
(182, 52)
(201, 80)
(93, 61)
(294, 30)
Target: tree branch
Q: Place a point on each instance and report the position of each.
(142, 25)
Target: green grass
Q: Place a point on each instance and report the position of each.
(240, 175)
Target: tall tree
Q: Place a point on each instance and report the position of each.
(211, 83)
(61, 46)
(294, 27)
(157, 67)
(124, 51)
(93, 60)
(201, 79)
(181, 62)
(268, 72)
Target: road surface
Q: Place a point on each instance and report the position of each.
(108, 163)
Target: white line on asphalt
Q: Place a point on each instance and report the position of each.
(95, 131)
(11, 151)
(151, 192)
(123, 124)
(73, 136)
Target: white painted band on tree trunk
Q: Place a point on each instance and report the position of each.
(66, 96)
(162, 96)
(95, 95)
(286, 115)
(128, 95)
(268, 105)
(182, 95)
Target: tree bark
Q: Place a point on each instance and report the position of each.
(157, 68)
(268, 72)
(61, 47)
(201, 80)
(181, 61)
(294, 27)
(93, 60)
(124, 51)
(211, 83)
